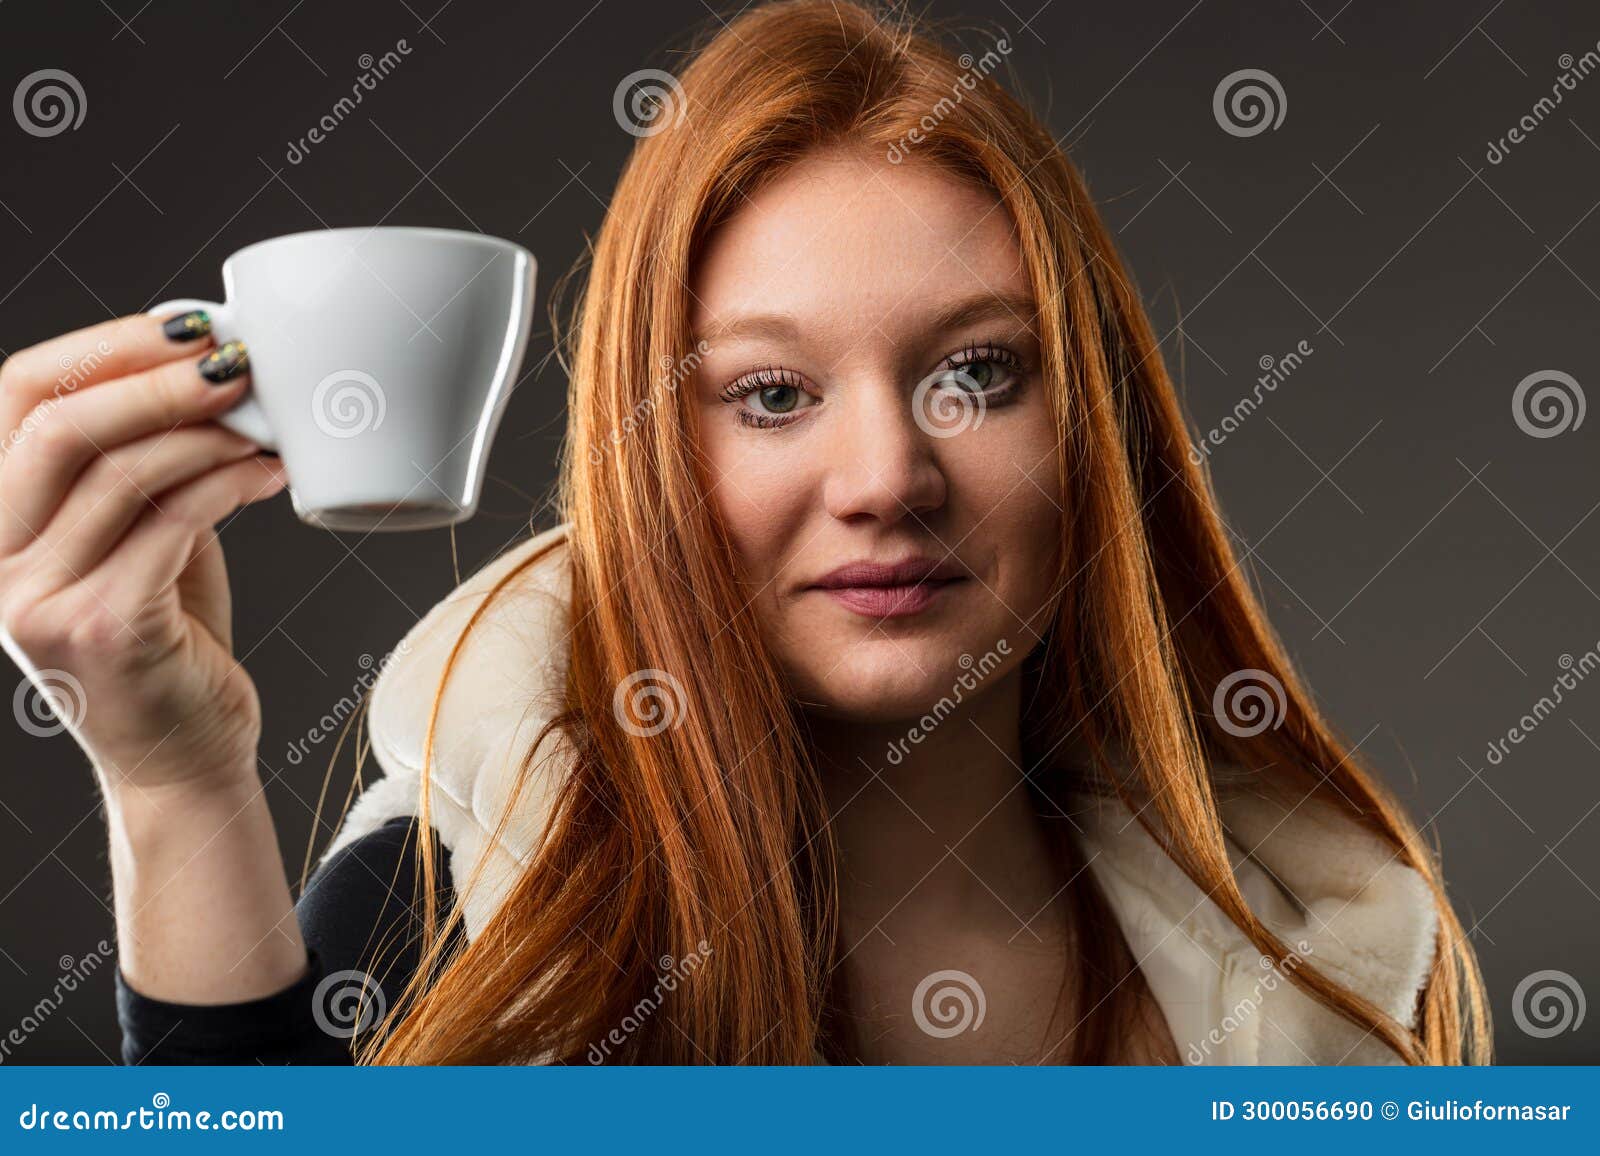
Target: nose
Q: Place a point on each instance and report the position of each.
(881, 465)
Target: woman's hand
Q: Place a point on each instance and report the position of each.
(112, 477)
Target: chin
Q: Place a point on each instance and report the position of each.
(880, 679)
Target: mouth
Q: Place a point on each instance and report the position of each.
(891, 590)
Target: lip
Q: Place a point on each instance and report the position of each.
(890, 589)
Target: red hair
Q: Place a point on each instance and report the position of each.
(716, 830)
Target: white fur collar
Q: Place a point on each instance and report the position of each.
(1309, 872)
(1333, 891)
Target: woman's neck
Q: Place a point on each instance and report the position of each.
(945, 826)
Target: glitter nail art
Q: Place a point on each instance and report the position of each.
(225, 363)
(188, 326)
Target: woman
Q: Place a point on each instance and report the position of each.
(890, 692)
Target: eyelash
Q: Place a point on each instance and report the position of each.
(766, 377)
(771, 376)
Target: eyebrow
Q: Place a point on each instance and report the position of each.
(1018, 307)
(777, 326)
(980, 307)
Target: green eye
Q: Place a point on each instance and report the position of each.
(975, 375)
(779, 398)
(769, 397)
(982, 369)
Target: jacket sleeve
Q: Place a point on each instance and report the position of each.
(362, 923)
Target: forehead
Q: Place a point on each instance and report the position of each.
(851, 239)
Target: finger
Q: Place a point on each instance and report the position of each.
(119, 487)
(152, 556)
(100, 353)
(202, 589)
(48, 457)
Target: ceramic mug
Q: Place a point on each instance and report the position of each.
(381, 361)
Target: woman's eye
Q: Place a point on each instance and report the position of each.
(769, 403)
(777, 399)
(976, 375)
(980, 375)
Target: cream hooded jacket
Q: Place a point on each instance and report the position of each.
(1330, 889)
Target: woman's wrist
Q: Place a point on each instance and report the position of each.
(148, 814)
(203, 907)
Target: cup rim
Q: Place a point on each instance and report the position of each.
(458, 235)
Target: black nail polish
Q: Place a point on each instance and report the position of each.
(225, 362)
(187, 326)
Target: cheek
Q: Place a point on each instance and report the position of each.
(761, 493)
(1007, 500)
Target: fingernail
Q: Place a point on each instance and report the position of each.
(187, 326)
(225, 362)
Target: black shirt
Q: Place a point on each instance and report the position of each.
(362, 944)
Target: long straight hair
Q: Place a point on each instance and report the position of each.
(713, 833)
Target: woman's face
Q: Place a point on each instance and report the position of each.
(880, 444)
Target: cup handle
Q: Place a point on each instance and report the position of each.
(247, 418)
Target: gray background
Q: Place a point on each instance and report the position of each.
(1428, 562)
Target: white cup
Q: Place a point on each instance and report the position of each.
(381, 361)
